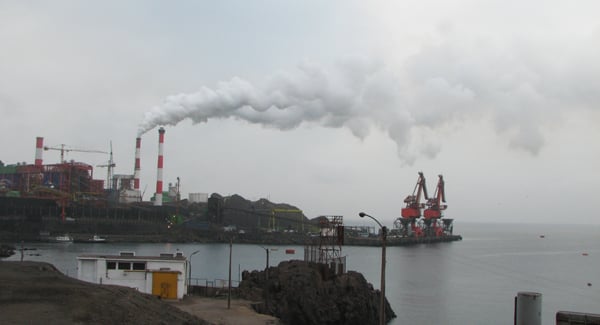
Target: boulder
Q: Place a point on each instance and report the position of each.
(299, 292)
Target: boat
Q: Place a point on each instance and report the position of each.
(97, 239)
(62, 239)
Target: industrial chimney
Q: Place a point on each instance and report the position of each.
(39, 148)
(159, 174)
(136, 172)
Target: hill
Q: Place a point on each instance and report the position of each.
(37, 293)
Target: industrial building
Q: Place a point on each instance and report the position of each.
(69, 189)
(75, 180)
(66, 198)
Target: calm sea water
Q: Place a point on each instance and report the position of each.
(473, 281)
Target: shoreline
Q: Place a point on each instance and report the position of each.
(269, 240)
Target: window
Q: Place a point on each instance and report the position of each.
(124, 266)
(111, 265)
(140, 266)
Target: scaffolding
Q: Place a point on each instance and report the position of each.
(327, 249)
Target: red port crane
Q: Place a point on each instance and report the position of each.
(412, 211)
(434, 204)
(413, 202)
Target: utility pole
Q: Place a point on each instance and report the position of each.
(229, 288)
(177, 196)
(267, 266)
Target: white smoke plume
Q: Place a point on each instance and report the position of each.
(439, 85)
(356, 94)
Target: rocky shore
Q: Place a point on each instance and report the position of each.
(304, 293)
(295, 292)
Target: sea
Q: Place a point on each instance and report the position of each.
(473, 281)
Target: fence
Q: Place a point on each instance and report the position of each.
(212, 288)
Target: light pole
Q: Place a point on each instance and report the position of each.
(190, 271)
(383, 238)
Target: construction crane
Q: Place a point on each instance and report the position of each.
(413, 202)
(109, 172)
(64, 149)
(272, 222)
(434, 204)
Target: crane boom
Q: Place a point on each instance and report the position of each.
(64, 149)
(413, 202)
(434, 204)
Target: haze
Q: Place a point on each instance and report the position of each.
(330, 106)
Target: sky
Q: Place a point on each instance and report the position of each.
(331, 106)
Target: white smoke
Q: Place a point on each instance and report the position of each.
(341, 97)
(518, 87)
(356, 93)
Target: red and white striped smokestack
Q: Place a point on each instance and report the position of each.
(136, 171)
(39, 148)
(159, 172)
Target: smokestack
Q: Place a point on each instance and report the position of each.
(39, 147)
(136, 172)
(159, 173)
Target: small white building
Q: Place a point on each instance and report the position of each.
(163, 276)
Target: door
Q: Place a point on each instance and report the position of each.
(164, 284)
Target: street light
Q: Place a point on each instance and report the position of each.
(383, 238)
(190, 271)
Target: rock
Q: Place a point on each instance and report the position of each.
(299, 292)
(6, 250)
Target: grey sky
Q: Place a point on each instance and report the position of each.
(501, 97)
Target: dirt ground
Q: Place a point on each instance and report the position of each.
(215, 311)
